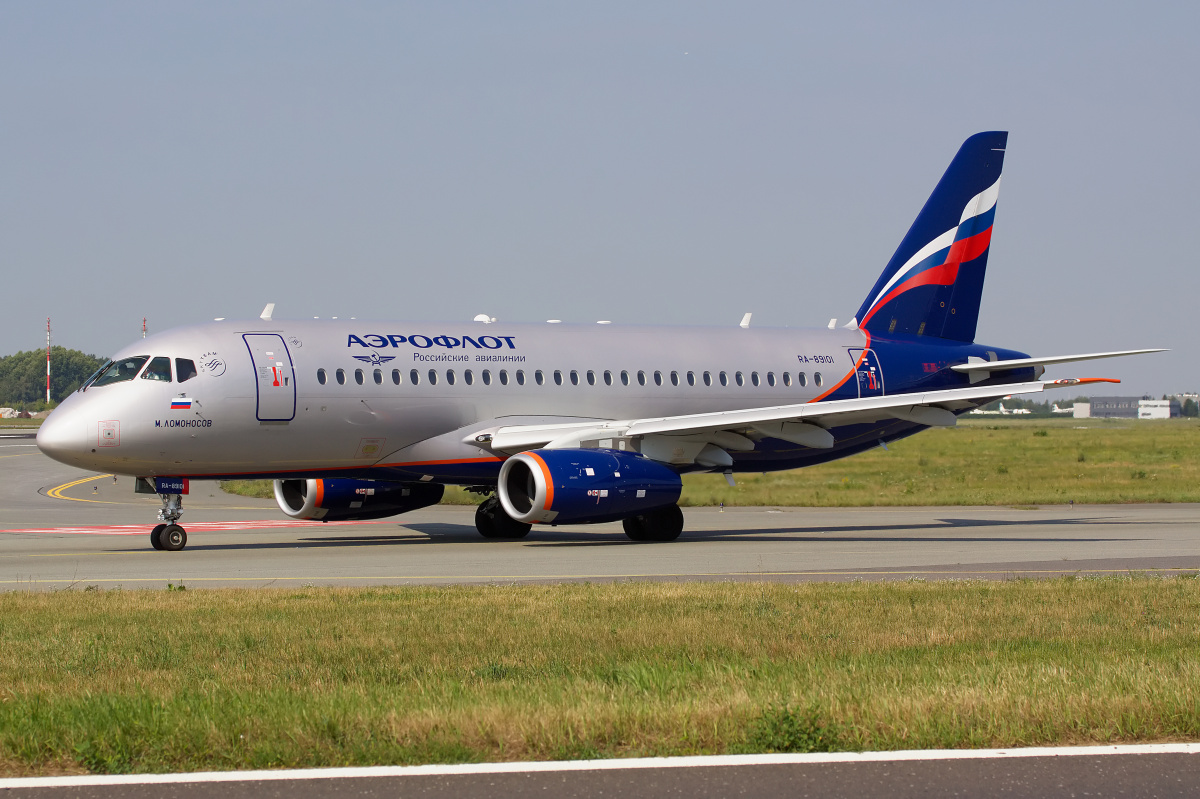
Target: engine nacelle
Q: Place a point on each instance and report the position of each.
(350, 500)
(580, 486)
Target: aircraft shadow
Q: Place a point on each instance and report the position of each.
(584, 536)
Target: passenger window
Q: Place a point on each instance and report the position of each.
(504, 377)
(468, 378)
(674, 378)
(787, 378)
(487, 377)
(557, 377)
(358, 376)
(321, 376)
(817, 379)
(771, 379)
(641, 378)
(724, 379)
(185, 369)
(801, 379)
(607, 378)
(341, 377)
(379, 377)
(450, 377)
(738, 378)
(624, 378)
(708, 378)
(538, 377)
(754, 378)
(691, 377)
(433, 377)
(574, 378)
(414, 377)
(658, 378)
(520, 377)
(396, 376)
(591, 377)
(159, 369)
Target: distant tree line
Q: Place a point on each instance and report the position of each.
(23, 376)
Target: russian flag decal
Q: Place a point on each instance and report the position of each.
(181, 404)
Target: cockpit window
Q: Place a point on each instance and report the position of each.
(120, 371)
(159, 369)
(185, 369)
(95, 374)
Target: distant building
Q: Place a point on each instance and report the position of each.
(1127, 408)
(1159, 409)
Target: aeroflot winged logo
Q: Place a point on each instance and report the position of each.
(377, 341)
(375, 359)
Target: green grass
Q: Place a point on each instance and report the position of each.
(120, 681)
(991, 461)
(20, 423)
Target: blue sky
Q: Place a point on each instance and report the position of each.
(674, 163)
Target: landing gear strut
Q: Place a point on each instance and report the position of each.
(661, 524)
(492, 522)
(169, 535)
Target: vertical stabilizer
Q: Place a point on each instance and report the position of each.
(934, 282)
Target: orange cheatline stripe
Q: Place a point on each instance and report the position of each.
(852, 371)
(546, 475)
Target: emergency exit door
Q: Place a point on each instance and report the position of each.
(275, 379)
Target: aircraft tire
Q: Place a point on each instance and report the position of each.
(492, 522)
(634, 529)
(172, 537)
(661, 524)
(155, 541)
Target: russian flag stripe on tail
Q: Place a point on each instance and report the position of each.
(934, 282)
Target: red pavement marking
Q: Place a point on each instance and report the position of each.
(142, 529)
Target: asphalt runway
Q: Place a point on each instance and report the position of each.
(1146, 771)
(61, 527)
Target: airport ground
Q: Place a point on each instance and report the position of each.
(64, 529)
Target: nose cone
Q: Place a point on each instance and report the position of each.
(63, 437)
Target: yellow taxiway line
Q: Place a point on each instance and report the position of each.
(57, 491)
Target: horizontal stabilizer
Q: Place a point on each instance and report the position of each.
(978, 369)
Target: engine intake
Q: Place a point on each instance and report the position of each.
(353, 500)
(581, 486)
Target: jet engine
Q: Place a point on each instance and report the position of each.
(580, 486)
(351, 500)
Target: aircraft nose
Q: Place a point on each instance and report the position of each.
(63, 437)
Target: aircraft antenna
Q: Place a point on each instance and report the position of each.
(47, 359)
(143, 327)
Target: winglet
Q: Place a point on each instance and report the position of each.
(267, 312)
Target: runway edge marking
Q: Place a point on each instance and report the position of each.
(699, 761)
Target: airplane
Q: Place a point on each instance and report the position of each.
(554, 423)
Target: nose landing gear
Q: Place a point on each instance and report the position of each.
(169, 535)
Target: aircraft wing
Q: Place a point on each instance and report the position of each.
(683, 439)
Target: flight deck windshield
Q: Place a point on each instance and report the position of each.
(95, 374)
(120, 371)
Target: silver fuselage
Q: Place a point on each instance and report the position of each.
(257, 406)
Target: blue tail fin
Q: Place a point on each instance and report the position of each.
(934, 282)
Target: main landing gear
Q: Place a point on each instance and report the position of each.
(492, 522)
(169, 535)
(660, 524)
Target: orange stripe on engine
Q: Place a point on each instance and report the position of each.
(320, 492)
(546, 475)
